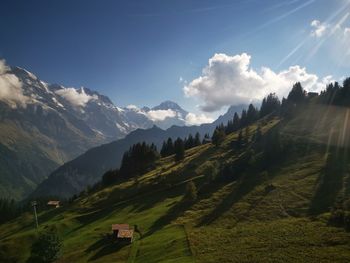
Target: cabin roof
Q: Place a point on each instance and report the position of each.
(123, 233)
(53, 202)
(120, 227)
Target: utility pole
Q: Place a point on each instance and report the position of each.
(35, 215)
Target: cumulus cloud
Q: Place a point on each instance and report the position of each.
(230, 80)
(161, 115)
(194, 119)
(335, 36)
(347, 31)
(77, 98)
(318, 28)
(132, 107)
(11, 87)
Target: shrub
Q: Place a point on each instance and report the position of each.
(191, 192)
(46, 248)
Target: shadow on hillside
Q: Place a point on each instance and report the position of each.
(104, 246)
(329, 185)
(50, 214)
(174, 212)
(157, 197)
(243, 187)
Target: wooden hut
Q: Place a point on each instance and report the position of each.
(55, 204)
(117, 227)
(125, 235)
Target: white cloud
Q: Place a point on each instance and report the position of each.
(318, 28)
(193, 119)
(75, 97)
(132, 107)
(11, 87)
(347, 30)
(161, 115)
(230, 80)
(333, 36)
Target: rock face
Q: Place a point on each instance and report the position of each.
(43, 125)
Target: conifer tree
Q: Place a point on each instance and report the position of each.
(179, 148)
(252, 114)
(197, 139)
(218, 136)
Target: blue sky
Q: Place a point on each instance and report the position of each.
(145, 52)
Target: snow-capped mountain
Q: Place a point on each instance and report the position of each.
(96, 111)
(45, 125)
(164, 115)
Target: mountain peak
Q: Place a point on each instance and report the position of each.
(23, 72)
(166, 105)
(170, 105)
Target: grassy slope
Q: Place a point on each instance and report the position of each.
(230, 222)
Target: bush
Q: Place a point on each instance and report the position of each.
(191, 192)
(46, 248)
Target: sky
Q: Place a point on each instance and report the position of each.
(204, 55)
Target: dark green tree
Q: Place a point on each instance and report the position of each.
(244, 119)
(235, 122)
(189, 142)
(218, 136)
(252, 114)
(46, 248)
(297, 94)
(110, 177)
(179, 147)
(140, 158)
(197, 139)
(269, 104)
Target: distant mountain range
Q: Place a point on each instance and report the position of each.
(43, 125)
(88, 168)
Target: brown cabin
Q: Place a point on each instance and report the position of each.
(117, 227)
(55, 204)
(125, 235)
(123, 232)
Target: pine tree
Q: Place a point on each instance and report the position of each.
(206, 138)
(179, 149)
(269, 104)
(218, 136)
(244, 119)
(46, 249)
(252, 114)
(189, 142)
(139, 159)
(235, 122)
(197, 139)
(297, 94)
(164, 150)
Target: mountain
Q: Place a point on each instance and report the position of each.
(45, 125)
(37, 135)
(280, 197)
(87, 169)
(230, 112)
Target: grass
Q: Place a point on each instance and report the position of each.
(231, 221)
